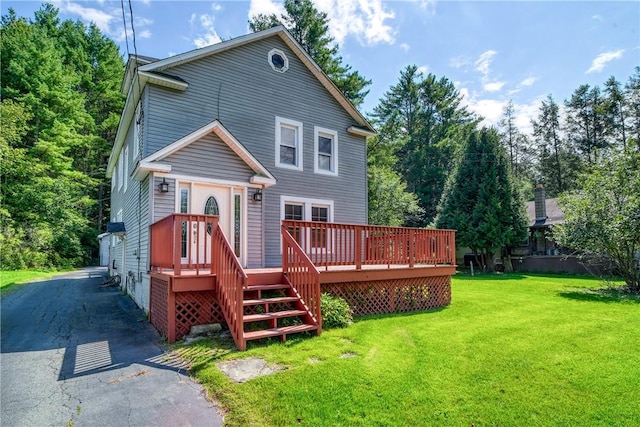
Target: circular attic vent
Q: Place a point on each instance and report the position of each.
(278, 60)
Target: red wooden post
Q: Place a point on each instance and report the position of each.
(176, 244)
(358, 247)
(412, 248)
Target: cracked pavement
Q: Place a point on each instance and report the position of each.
(74, 353)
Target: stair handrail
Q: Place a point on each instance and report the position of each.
(231, 281)
(303, 276)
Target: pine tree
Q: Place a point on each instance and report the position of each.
(422, 120)
(480, 201)
(585, 122)
(556, 163)
(632, 107)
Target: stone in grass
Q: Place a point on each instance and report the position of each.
(348, 355)
(206, 329)
(243, 370)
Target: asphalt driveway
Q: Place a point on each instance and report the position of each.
(74, 353)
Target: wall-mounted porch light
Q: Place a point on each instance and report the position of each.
(257, 196)
(163, 187)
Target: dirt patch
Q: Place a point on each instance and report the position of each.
(243, 370)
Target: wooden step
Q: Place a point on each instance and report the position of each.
(275, 332)
(266, 287)
(274, 315)
(269, 300)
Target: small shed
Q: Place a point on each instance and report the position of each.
(104, 249)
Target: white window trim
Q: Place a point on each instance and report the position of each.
(136, 132)
(292, 123)
(334, 151)
(126, 168)
(307, 204)
(119, 167)
(284, 57)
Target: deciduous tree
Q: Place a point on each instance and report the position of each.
(602, 218)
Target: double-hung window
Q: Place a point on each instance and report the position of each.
(325, 147)
(288, 143)
(303, 209)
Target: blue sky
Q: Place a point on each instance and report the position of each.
(494, 51)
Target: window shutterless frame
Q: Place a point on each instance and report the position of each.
(288, 143)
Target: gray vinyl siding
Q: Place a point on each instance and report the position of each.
(164, 203)
(209, 157)
(255, 258)
(134, 203)
(240, 88)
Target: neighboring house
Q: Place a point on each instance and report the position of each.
(248, 131)
(543, 215)
(540, 253)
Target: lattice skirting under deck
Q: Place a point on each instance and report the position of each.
(196, 308)
(182, 309)
(159, 305)
(393, 296)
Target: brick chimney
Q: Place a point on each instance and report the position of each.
(541, 206)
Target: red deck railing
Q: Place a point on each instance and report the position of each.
(331, 244)
(182, 241)
(302, 275)
(231, 280)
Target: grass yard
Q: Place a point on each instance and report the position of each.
(9, 279)
(511, 350)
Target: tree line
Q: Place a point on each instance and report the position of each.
(60, 110)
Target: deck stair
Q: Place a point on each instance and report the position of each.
(273, 310)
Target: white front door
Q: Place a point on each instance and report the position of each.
(222, 201)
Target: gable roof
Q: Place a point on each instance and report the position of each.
(153, 162)
(154, 71)
(554, 213)
(288, 39)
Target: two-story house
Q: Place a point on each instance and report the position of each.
(238, 136)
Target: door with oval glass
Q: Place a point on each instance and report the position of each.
(220, 201)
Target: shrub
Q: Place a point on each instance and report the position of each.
(336, 312)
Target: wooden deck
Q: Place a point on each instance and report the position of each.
(376, 269)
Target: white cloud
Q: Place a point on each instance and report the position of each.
(428, 5)
(483, 62)
(601, 60)
(210, 35)
(366, 20)
(423, 69)
(107, 19)
(459, 61)
(101, 18)
(265, 7)
(405, 47)
(363, 19)
(597, 18)
(492, 110)
(216, 7)
(528, 81)
(493, 86)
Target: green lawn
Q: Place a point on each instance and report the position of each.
(8, 279)
(510, 350)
